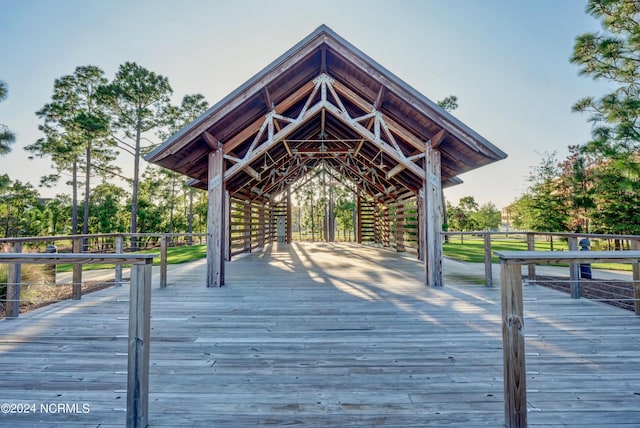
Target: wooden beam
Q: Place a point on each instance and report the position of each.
(432, 219)
(215, 220)
(283, 106)
(252, 172)
(211, 141)
(267, 99)
(395, 171)
(378, 102)
(398, 157)
(437, 139)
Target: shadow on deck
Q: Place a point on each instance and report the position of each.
(323, 335)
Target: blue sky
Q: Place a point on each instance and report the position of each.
(505, 60)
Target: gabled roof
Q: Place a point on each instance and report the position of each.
(325, 103)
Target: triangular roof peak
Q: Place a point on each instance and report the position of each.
(365, 114)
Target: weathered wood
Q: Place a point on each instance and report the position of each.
(215, 220)
(574, 270)
(139, 345)
(227, 228)
(14, 273)
(488, 267)
(76, 285)
(635, 245)
(558, 257)
(433, 219)
(72, 258)
(515, 389)
(318, 335)
(163, 262)
(118, 270)
(531, 268)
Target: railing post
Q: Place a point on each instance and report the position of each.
(76, 285)
(139, 335)
(163, 261)
(531, 267)
(574, 270)
(515, 389)
(119, 250)
(488, 269)
(635, 245)
(12, 308)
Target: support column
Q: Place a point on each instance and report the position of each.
(12, 304)
(359, 219)
(215, 219)
(261, 225)
(289, 219)
(433, 218)
(227, 228)
(422, 224)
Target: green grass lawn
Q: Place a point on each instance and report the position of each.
(472, 250)
(175, 255)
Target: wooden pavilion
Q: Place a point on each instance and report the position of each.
(326, 105)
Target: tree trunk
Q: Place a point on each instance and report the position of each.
(87, 188)
(134, 194)
(74, 203)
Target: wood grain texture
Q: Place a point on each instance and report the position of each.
(325, 335)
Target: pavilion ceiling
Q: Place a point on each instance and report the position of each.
(325, 104)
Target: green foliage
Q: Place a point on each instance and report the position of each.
(7, 138)
(137, 99)
(449, 103)
(20, 210)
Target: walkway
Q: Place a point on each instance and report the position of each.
(324, 335)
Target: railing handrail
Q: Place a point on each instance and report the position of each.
(139, 318)
(513, 336)
(94, 235)
(74, 258)
(561, 234)
(545, 257)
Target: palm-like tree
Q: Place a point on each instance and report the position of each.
(6, 137)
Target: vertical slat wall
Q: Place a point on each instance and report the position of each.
(407, 223)
(251, 224)
(367, 221)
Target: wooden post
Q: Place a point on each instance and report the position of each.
(421, 226)
(531, 268)
(574, 270)
(14, 273)
(163, 261)
(139, 341)
(635, 245)
(246, 225)
(261, 228)
(119, 250)
(433, 218)
(488, 268)
(515, 389)
(76, 285)
(400, 219)
(215, 219)
(289, 219)
(359, 218)
(227, 228)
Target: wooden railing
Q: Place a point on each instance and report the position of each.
(139, 316)
(116, 244)
(633, 242)
(513, 336)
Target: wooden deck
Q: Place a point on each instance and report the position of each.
(322, 335)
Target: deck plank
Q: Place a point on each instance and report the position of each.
(324, 335)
